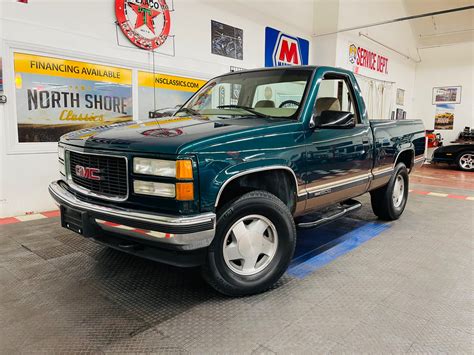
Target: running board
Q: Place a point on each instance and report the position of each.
(330, 215)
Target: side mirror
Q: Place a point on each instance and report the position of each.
(334, 120)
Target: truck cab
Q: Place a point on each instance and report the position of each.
(225, 182)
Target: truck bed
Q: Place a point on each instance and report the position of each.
(392, 137)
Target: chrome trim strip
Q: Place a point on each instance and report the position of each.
(88, 192)
(255, 170)
(382, 170)
(61, 194)
(330, 185)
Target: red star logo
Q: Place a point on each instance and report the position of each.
(145, 15)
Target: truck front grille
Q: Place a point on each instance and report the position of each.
(109, 181)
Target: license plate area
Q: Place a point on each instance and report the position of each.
(77, 221)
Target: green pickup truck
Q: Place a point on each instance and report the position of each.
(226, 181)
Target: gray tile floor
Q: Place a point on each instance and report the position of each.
(408, 290)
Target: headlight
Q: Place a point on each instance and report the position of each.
(180, 169)
(154, 188)
(154, 167)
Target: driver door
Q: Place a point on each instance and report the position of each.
(338, 159)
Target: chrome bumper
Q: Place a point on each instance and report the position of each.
(177, 232)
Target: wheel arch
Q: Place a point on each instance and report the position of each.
(249, 178)
(406, 156)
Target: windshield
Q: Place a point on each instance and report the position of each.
(265, 93)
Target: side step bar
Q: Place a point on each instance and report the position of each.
(330, 215)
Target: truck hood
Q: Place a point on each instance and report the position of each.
(164, 135)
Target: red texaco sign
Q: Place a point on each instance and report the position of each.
(146, 23)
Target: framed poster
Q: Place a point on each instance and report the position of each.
(399, 114)
(400, 97)
(226, 40)
(447, 95)
(55, 96)
(161, 95)
(444, 116)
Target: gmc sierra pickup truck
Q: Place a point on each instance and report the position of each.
(226, 181)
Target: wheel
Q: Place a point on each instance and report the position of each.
(253, 246)
(465, 161)
(389, 201)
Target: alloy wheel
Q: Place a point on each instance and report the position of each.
(467, 161)
(250, 245)
(398, 191)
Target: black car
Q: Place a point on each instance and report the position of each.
(460, 154)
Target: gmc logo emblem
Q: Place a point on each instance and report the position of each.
(87, 173)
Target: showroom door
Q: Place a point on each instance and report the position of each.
(339, 161)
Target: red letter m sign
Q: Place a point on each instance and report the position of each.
(288, 51)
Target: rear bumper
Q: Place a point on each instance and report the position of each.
(132, 227)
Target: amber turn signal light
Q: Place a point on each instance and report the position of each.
(184, 191)
(184, 169)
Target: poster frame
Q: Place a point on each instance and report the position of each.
(458, 96)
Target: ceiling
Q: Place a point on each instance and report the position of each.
(440, 30)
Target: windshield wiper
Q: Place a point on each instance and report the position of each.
(248, 109)
(188, 111)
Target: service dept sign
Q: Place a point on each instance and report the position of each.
(361, 57)
(146, 23)
(282, 49)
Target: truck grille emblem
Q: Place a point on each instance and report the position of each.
(87, 173)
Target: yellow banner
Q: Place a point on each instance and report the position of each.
(34, 64)
(169, 82)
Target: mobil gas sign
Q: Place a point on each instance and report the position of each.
(283, 49)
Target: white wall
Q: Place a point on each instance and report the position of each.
(340, 14)
(85, 30)
(446, 66)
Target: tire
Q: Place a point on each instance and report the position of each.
(465, 161)
(233, 267)
(384, 204)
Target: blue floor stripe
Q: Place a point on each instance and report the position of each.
(305, 264)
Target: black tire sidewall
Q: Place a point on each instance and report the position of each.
(248, 205)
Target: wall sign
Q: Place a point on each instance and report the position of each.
(146, 23)
(362, 57)
(444, 117)
(282, 49)
(163, 94)
(55, 96)
(227, 40)
(400, 99)
(447, 95)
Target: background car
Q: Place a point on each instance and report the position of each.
(460, 154)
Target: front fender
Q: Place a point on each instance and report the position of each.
(212, 190)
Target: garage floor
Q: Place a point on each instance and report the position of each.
(356, 285)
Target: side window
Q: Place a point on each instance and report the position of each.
(335, 95)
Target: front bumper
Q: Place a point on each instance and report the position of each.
(132, 227)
